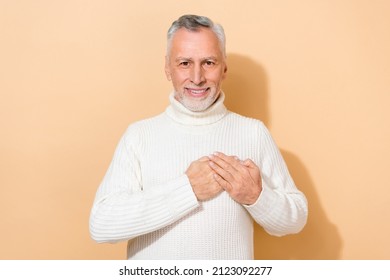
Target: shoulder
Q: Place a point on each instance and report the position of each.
(142, 129)
(246, 122)
(249, 127)
(145, 123)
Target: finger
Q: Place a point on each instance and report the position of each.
(229, 163)
(233, 160)
(222, 171)
(251, 165)
(223, 183)
(253, 168)
(205, 158)
(248, 163)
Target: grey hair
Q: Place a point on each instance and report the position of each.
(194, 23)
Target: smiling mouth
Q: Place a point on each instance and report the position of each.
(197, 92)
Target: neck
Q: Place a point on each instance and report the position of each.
(180, 114)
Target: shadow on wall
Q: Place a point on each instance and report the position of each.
(246, 88)
(247, 93)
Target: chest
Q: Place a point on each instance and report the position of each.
(166, 156)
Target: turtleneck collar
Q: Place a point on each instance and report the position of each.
(180, 114)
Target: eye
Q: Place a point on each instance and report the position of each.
(184, 63)
(209, 63)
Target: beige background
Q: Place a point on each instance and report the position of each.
(74, 74)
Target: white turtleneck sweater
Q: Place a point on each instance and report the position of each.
(146, 198)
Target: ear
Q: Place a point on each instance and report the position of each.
(167, 71)
(224, 71)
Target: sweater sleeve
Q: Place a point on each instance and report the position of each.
(281, 208)
(122, 210)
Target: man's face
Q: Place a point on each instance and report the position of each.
(196, 66)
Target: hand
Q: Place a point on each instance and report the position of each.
(201, 177)
(241, 179)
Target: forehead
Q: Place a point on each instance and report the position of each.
(202, 42)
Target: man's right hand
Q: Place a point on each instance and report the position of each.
(201, 177)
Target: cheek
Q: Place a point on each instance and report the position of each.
(178, 77)
(217, 78)
(217, 75)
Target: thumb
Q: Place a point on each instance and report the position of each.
(249, 163)
(204, 158)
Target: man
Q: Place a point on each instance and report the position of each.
(188, 183)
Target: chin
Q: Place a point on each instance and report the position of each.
(198, 105)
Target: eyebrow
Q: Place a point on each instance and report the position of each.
(202, 59)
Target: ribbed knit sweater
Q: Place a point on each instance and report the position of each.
(146, 198)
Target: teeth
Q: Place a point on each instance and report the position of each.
(197, 91)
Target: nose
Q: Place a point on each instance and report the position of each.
(197, 75)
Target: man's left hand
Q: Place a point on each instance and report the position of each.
(241, 179)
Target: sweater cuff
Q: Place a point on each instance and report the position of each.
(182, 199)
(264, 203)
